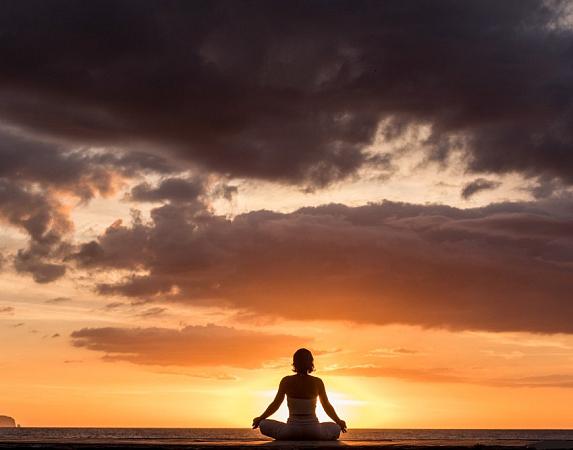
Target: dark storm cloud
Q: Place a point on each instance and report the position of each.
(81, 172)
(32, 161)
(478, 185)
(295, 91)
(209, 345)
(33, 262)
(43, 218)
(503, 267)
(33, 211)
(173, 189)
(34, 175)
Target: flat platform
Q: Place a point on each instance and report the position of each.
(285, 445)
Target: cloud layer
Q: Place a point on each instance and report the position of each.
(296, 91)
(501, 267)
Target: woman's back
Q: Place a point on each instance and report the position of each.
(301, 386)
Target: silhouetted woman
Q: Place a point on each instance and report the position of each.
(301, 391)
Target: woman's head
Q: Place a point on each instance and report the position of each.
(302, 361)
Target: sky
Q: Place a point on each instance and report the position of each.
(191, 191)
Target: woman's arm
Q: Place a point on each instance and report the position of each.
(328, 408)
(275, 404)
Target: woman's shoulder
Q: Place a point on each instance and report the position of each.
(289, 378)
(316, 380)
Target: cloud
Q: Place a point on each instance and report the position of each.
(152, 312)
(42, 217)
(209, 345)
(7, 310)
(174, 189)
(296, 92)
(435, 375)
(445, 375)
(504, 267)
(393, 352)
(478, 185)
(114, 305)
(209, 376)
(58, 300)
(550, 380)
(35, 177)
(192, 191)
(31, 261)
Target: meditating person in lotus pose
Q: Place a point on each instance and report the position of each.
(301, 391)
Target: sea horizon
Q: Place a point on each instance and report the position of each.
(248, 428)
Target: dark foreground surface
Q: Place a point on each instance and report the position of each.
(247, 439)
(292, 445)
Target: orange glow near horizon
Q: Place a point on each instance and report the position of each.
(64, 385)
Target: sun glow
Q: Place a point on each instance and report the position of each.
(346, 407)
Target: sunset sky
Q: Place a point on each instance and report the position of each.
(190, 191)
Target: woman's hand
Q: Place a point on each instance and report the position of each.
(256, 422)
(342, 424)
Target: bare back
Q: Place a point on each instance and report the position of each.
(302, 386)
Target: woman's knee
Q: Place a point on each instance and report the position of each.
(330, 431)
(271, 428)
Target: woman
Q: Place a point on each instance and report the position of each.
(301, 391)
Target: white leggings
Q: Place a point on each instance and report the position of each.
(325, 431)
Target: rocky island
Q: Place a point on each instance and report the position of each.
(7, 422)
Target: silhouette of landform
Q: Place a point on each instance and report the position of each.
(7, 422)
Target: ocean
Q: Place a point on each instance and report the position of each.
(246, 436)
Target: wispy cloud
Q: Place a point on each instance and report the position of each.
(58, 300)
(209, 345)
(8, 310)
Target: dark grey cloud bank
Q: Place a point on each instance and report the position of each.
(502, 267)
(33, 177)
(294, 91)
